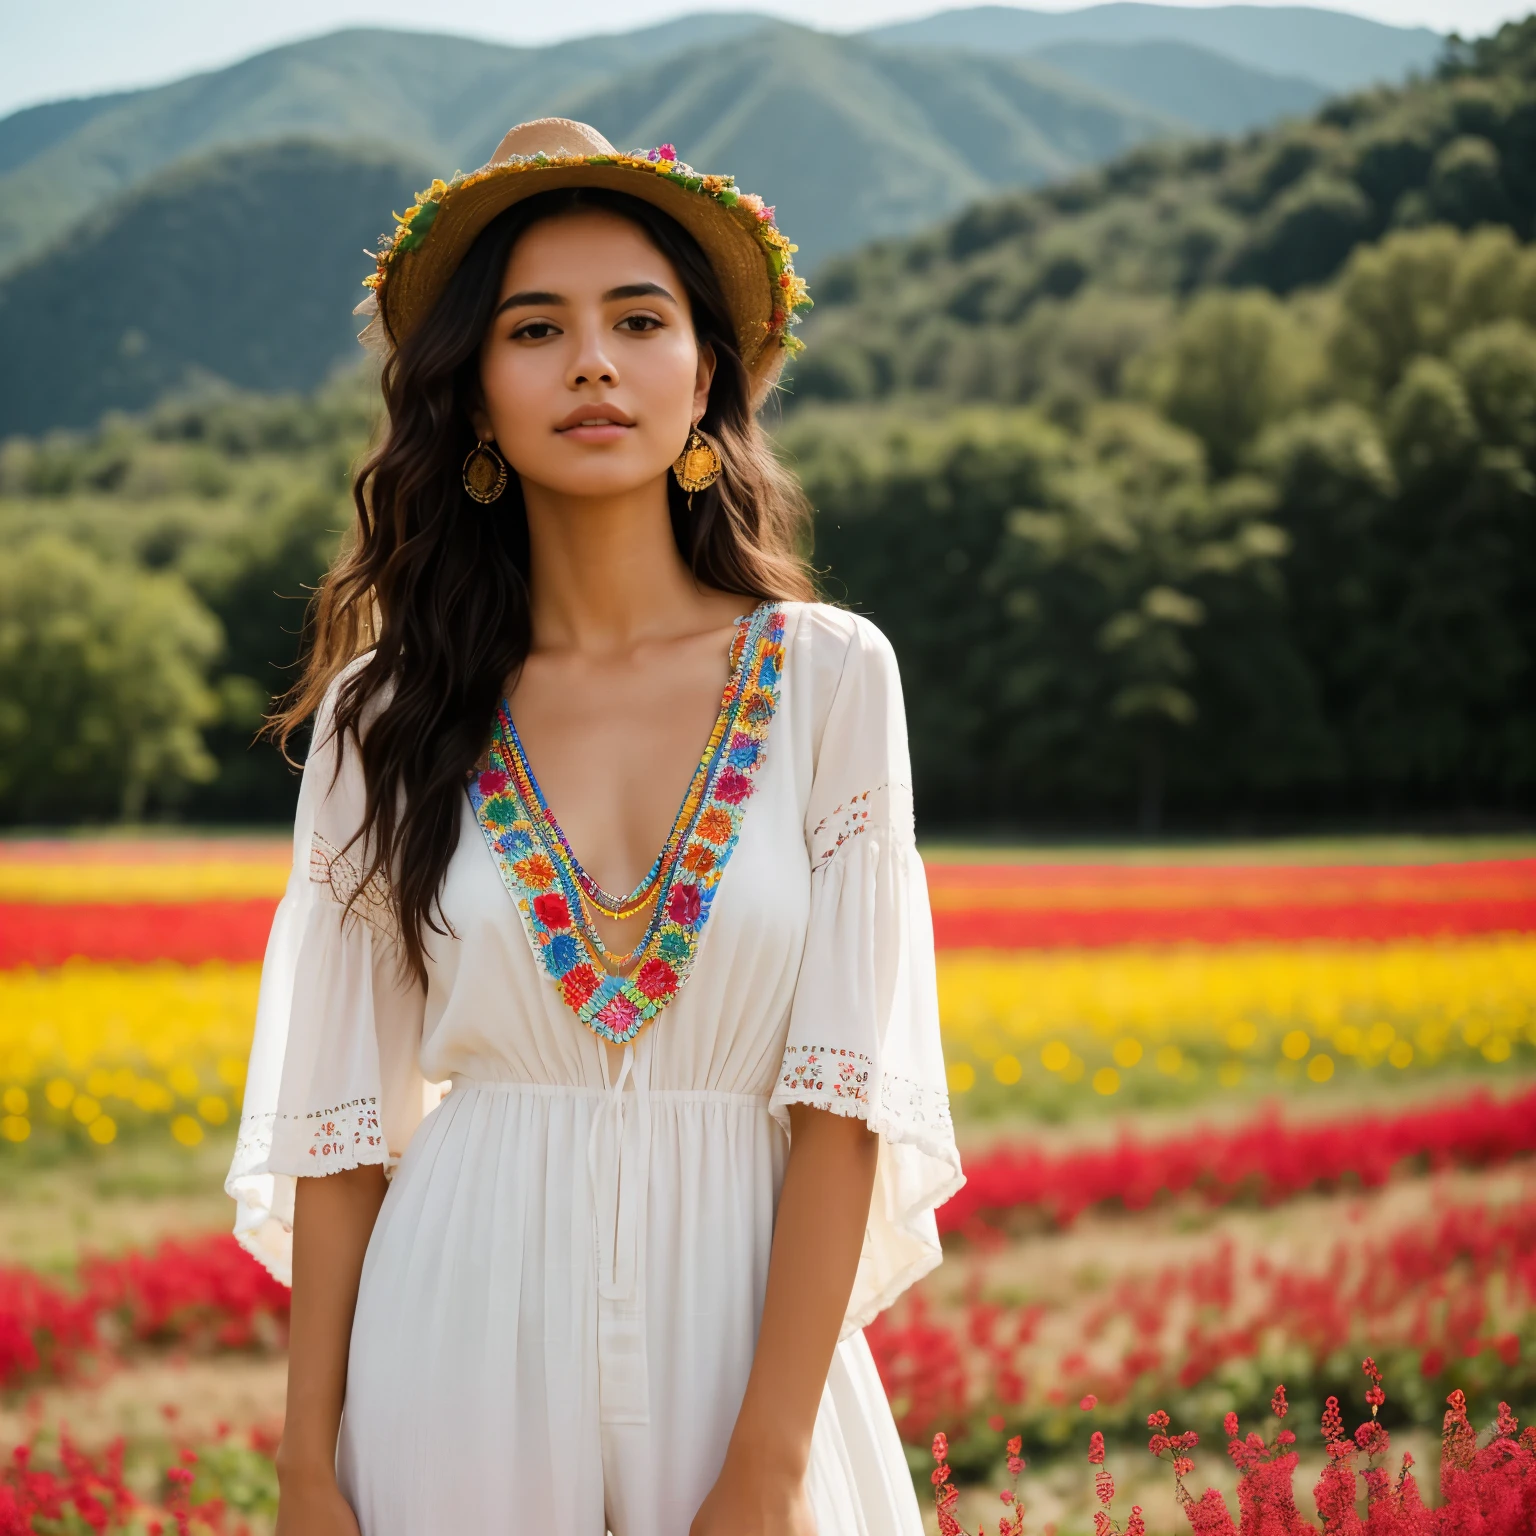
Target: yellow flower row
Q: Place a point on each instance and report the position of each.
(89, 1051)
(261, 874)
(1224, 1013)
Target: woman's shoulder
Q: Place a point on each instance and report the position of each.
(837, 638)
(841, 666)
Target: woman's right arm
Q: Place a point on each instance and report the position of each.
(333, 1218)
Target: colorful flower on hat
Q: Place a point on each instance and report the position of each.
(413, 226)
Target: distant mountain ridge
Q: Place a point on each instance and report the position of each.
(1338, 50)
(1194, 85)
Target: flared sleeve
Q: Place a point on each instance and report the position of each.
(333, 1080)
(864, 1025)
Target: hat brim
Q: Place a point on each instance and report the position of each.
(728, 236)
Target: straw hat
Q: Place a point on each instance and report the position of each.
(735, 229)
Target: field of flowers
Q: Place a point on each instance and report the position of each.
(1225, 1123)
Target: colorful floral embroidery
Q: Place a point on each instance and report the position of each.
(542, 878)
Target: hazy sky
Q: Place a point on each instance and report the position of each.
(63, 48)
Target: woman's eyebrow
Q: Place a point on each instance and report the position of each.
(638, 291)
(530, 296)
(543, 299)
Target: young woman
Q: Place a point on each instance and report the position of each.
(588, 1163)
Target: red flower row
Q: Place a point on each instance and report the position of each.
(49, 933)
(1266, 1160)
(995, 906)
(204, 1293)
(1458, 1287)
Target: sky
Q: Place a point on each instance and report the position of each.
(62, 48)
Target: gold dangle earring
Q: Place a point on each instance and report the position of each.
(485, 473)
(698, 466)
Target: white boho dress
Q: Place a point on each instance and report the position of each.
(562, 1293)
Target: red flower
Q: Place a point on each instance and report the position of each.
(578, 984)
(552, 911)
(733, 786)
(1096, 1449)
(1089, 1403)
(683, 905)
(493, 781)
(656, 979)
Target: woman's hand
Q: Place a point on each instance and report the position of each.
(754, 1497)
(311, 1504)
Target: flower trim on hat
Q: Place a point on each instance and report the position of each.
(412, 226)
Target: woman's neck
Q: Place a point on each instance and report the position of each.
(605, 572)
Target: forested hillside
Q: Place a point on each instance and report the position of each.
(1071, 279)
(240, 268)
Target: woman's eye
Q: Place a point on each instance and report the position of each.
(535, 330)
(641, 322)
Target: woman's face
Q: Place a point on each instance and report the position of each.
(591, 371)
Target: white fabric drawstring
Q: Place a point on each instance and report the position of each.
(618, 1170)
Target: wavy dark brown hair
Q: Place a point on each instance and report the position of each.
(433, 586)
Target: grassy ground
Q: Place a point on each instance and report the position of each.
(126, 1196)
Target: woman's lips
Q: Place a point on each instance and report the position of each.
(598, 427)
(595, 432)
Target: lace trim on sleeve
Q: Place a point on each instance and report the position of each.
(887, 804)
(839, 1080)
(330, 867)
(337, 1138)
(815, 1074)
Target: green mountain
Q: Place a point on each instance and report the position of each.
(1337, 50)
(241, 267)
(1069, 280)
(444, 100)
(1205, 89)
(852, 141)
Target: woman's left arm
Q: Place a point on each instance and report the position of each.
(818, 1234)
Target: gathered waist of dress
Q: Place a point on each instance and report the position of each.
(464, 1082)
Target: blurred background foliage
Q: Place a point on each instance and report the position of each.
(1199, 487)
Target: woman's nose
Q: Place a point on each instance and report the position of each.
(591, 362)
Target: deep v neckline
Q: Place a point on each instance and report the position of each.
(520, 766)
(544, 878)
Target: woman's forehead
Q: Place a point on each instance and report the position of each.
(586, 249)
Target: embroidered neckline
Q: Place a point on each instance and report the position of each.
(541, 874)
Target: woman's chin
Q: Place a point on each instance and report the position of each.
(601, 481)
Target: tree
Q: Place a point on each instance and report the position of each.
(102, 685)
(1232, 366)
